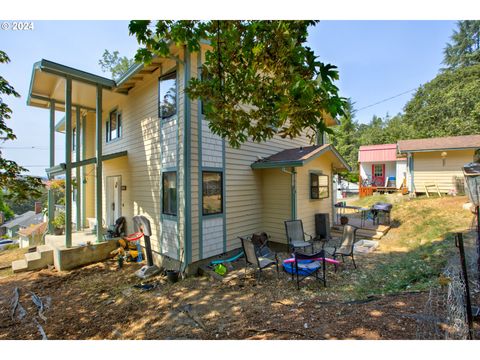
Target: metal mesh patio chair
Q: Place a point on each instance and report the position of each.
(306, 265)
(345, 248)
(261, 245)
(253, 259)
(296, 237)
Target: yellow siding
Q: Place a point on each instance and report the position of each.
(276, 200)
(89, 170)
(140, 170)
(243, 193)
(306, 207)
(428, 168)
(246, 191)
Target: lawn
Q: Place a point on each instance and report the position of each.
(379, 300)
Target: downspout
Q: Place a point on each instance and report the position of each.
(293, 192)
(187, 240)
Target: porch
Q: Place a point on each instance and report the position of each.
(81, 96)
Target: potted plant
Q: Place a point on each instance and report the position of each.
(59, 223)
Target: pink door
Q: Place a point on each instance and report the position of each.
(378, 174)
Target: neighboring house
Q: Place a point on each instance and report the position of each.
(438, 161)
(431, 163)
(32, 235)
(11, 228)
(345, 188)
(381, 165)
(140, 146)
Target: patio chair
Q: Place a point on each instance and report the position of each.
(306, 265)
(261, 245)
(345, 249)
(296, 237)
(252, 258)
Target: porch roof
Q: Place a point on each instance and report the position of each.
(376, 153)
(299, 157)
(48, 82)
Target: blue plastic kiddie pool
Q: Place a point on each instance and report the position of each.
(305, 267)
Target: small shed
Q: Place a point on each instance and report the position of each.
(438, 161)
(380, 165)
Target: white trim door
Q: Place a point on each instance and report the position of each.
(113, 199)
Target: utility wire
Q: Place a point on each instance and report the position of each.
(387, 99)
(27, 147)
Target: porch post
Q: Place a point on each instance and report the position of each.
(99, 173)
(78, 198)
(84, 171)
(68, 162)
(51, 200)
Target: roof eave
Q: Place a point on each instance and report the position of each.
(405, 151)
(276, 164)
(75, 74)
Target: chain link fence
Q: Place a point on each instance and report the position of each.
(445, 312)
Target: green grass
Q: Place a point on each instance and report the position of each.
(414, 270)
(415, 250)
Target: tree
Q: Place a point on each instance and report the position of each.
(115, 64)
(345, 136)
(465, 47)
(18, 186)
(259, 78)
(5, 209)
(448, 105)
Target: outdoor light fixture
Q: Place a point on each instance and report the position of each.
(444, 157)
(471, 171)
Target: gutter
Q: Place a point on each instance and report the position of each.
(293, 192)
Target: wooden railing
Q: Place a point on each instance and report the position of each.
(365, 191)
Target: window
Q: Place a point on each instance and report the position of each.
(204, 76)
(319, 186)
(212, 192)
(378, 170)
(114, 126)
(169, 188)
(167, 99)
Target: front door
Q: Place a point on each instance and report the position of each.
(113, 198)
(378, 174)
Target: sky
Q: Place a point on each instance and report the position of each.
(377, 60)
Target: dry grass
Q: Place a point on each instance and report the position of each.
(9, 255)
(100, 302)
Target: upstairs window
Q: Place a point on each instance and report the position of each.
(114, 126)
(319, 186)
(203, 76)
(169, 193)
(167, 99)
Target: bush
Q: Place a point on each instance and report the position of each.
(59, 220)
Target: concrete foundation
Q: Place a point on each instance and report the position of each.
(70, 258)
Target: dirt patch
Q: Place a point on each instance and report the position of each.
(101, 302)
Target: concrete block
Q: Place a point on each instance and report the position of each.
(19, 266)
(70, 258)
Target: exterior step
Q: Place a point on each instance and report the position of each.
(35, 260)
(19, 265)
(375, 234)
